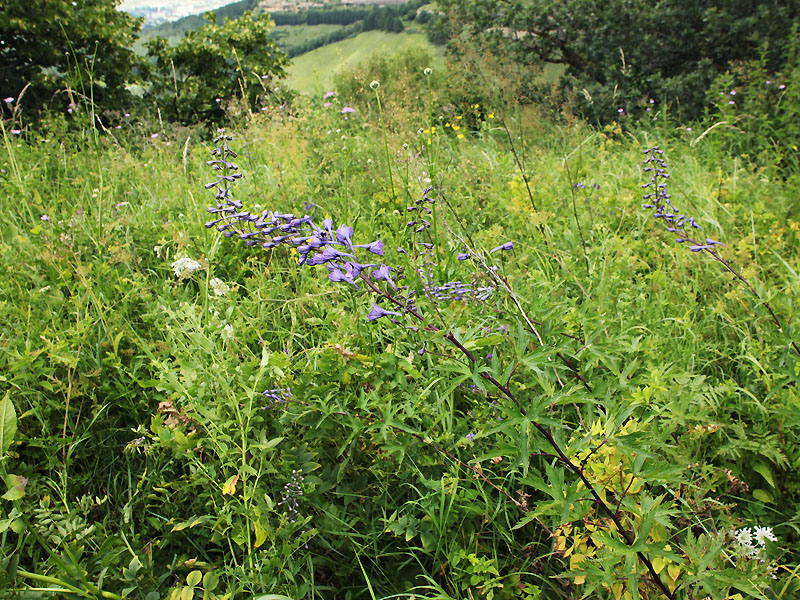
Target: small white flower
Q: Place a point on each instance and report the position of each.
(428, 71)
(744, 536)
(761, 534)
(375, 84)
(218, 287)
(227, 332)
(185, 266)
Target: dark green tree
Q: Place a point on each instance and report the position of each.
(53, 45)
(232, 60)
(619, 54)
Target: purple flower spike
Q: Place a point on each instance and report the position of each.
(506, 246)
(375, 247)
(470, 436)
(699, 248)
(462, 256)
(711, 242)
(377, 312)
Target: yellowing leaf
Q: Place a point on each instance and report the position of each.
(616, 589)
(674, 571)
(193, 578)
(261, 534)
(659, 562)
(580, 579)
(230, 486)
(187, 593)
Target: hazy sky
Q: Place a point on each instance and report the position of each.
(161, 10)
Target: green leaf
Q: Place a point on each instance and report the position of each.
(8, 424)
(763, 496)
(210, 581)
(193, 578)
(16, 487)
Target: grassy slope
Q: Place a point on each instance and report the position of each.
(313, 71)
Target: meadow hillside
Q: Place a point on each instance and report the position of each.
(187, 416)
(314, 72)
(452, 326)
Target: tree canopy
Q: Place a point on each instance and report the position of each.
(620, 54)
(84, 45)
(235, 59)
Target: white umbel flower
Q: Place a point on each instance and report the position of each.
(218, 287)
(185, 266)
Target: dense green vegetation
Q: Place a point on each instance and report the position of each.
(430, 332)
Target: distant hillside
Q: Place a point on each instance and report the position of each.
(302, 25)
(314, 71)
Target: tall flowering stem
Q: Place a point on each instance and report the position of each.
(685, 228)
(321, 245)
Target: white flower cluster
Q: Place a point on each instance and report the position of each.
(185, 266)
(753, 541)
(218, 287)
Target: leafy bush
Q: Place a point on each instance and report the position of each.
(237, 59)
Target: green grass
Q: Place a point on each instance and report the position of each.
(314, 71)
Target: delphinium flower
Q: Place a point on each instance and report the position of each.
(685, 227)
(426, 263)
(315, 244)
(682, 225)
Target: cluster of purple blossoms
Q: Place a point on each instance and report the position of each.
(280, 395)
(657, 198)
(315, 245)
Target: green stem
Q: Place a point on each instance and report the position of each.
(68, 587)
(386, 147)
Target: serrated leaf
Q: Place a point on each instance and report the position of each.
(765, 472)
(763, 496)
(489, 340)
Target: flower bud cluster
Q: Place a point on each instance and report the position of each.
(419, 223)
(291, 492)
(683, 226)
